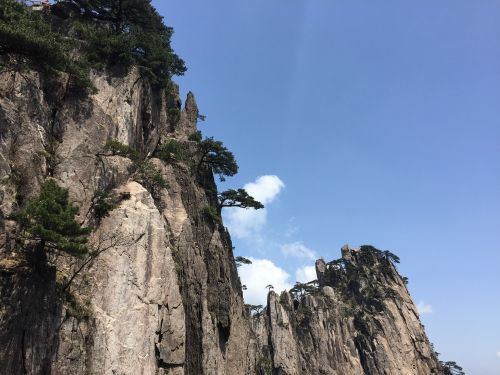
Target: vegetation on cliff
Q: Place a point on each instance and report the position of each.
(238, 198)
(74, 36)
(48, 222)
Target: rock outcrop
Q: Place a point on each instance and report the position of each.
(161, 294)
(358, 319)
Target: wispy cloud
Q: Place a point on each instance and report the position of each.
(258, 275)
(246, 223)
(305, 274)
(292, 228)
(424, 308)
(498, 354)
(298, 250)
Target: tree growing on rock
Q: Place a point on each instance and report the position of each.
(129, 32)
(391, 257)
(238, 198)
(301, 289)
(49, 221)
(254, 309)
(451, 368)
(215, 155)
(239, 260)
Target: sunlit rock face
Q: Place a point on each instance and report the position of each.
(163, 295)
(357, 319)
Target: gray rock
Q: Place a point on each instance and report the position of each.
(164, 296)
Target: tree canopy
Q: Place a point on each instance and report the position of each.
(29, 41)
(301, 289)
(238, 198)
(49, 220)
(239, 260)
(216, 156)
(100, 33)
(451, 368)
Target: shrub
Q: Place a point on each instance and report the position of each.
(172, 151)
(196, 136)
(174, 115)
(103, 203)
(212, 213)
(146, 173)
(149, 176)
(120, 149)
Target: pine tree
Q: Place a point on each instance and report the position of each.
(239, 260)
(216, 156)
(49, 221)
(129, 32)
(238, 198)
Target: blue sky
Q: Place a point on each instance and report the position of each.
(375, 123)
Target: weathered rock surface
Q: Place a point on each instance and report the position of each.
(163, 295)
(359, 320)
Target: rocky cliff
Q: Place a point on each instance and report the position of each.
(161, 294)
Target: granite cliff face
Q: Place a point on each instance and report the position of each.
(358, 319)
(163, 295)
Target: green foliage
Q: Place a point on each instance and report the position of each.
(265, 366)
(196, 137)
(146, 173)
(120, 149)
(174, 115)
(253, 309)
(239, 260)
(98, 34)
(212, 213)
(217, 157)
(451, 368)
(391, 257)
(149, 176)
(372, 256)
(172, 151)
(29, 39)
(238, 198)
(103, 203)
(363, 281)
(129, 32)
(301, 289)
(49, 219)
(75, 307)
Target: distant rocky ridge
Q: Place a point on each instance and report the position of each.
(165, 296)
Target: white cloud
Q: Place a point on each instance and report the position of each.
(498, 354)
(424, 308)
(245, 223)
(305, 274)
(298, 250)
(265, 188)
(257, 275)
